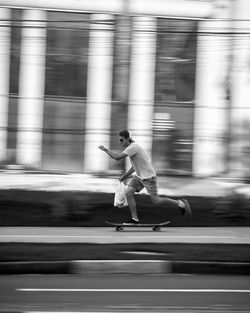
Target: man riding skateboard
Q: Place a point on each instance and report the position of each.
(145, 176)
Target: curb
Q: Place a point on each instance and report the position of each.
(198, 267)
(124, 266)
(43, 267)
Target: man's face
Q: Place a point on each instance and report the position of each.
(124, 142)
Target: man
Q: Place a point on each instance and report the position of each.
(145, 176)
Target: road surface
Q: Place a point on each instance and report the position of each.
(125, 293)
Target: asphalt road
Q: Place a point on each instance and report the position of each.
(123, 293)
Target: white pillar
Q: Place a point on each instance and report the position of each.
(240, 111)
(211, 104)
(99, 92)
(142, 76)
(5, 16)
(31, 88)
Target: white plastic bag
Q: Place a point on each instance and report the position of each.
(120, 200)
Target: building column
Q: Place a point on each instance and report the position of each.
(211, 98)
(99, 92)
(142, 77)
(5, 31)
(240, 80)
(31, 88)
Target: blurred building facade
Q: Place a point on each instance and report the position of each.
(176, 73)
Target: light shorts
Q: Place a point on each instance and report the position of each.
(150, 184)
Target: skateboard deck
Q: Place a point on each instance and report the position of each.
(154, 226)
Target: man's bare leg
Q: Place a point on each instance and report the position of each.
(181, 204)
(131, 202)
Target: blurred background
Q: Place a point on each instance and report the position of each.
(73, 74)
(175, 73)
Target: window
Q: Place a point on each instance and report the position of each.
(67, 52)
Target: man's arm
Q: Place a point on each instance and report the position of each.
(113, 155)
(127, 174)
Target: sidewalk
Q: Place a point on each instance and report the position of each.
(108, 235)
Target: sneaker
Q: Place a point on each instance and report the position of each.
(187, 209)
(131, 221)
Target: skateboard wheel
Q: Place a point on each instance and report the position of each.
(119, 228)
(156, 228)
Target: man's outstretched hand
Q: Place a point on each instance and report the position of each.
(102, 148)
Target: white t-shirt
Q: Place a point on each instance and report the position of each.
(140, 161)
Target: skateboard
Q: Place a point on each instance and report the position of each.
(155, 226)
